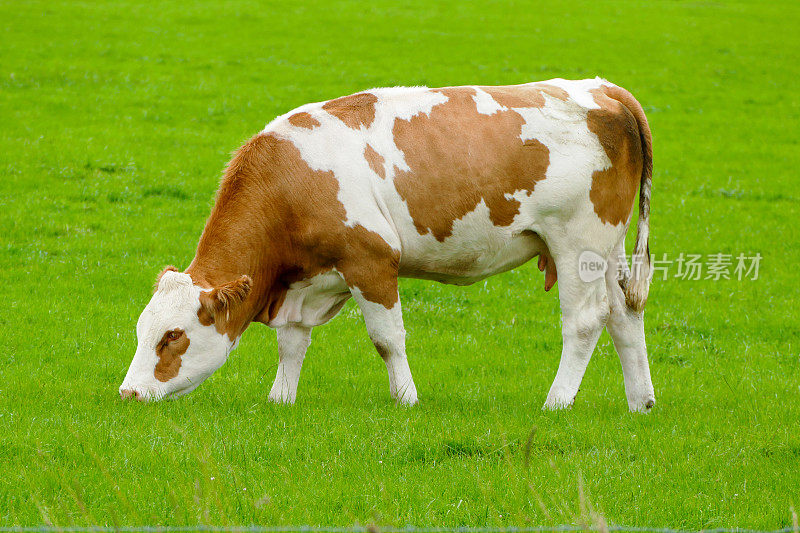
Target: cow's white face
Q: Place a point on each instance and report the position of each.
(175, 352)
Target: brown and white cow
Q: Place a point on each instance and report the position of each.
(341, 198)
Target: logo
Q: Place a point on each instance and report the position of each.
(591, 266)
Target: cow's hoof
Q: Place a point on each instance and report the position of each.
(558, 400)
(642, 406)
(556, 404)
(281, 400)
(281, 397)
(407, 396)
(407, 399)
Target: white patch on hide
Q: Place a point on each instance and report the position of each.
(485, 104)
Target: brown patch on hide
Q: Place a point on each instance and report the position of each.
(375, 161)
(614, 188)
(355, 110)
(511, 96)
(459, 157)
(169, 350)
(303, 120)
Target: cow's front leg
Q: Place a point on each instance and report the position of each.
(584, 311)
(293, 341)
(385, 328)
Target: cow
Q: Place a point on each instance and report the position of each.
(339, 199)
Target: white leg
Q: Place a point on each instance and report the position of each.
(385, 328)
(293, 341)
(626, 328)
(584, 310)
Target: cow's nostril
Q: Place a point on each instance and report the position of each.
(127, 394)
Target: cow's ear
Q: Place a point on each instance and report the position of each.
(219, 301)
(168, 268)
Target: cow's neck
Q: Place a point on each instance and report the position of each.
(242, 235)
(225, 253)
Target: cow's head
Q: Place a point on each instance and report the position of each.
(182, 336)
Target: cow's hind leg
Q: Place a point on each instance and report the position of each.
(293, 341)
(584, 310)
(626, 328)
(385, 327)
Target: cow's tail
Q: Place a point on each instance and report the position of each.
(638, 285)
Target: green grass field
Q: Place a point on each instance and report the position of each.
(117, 119)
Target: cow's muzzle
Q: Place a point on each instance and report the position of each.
(127, 394)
